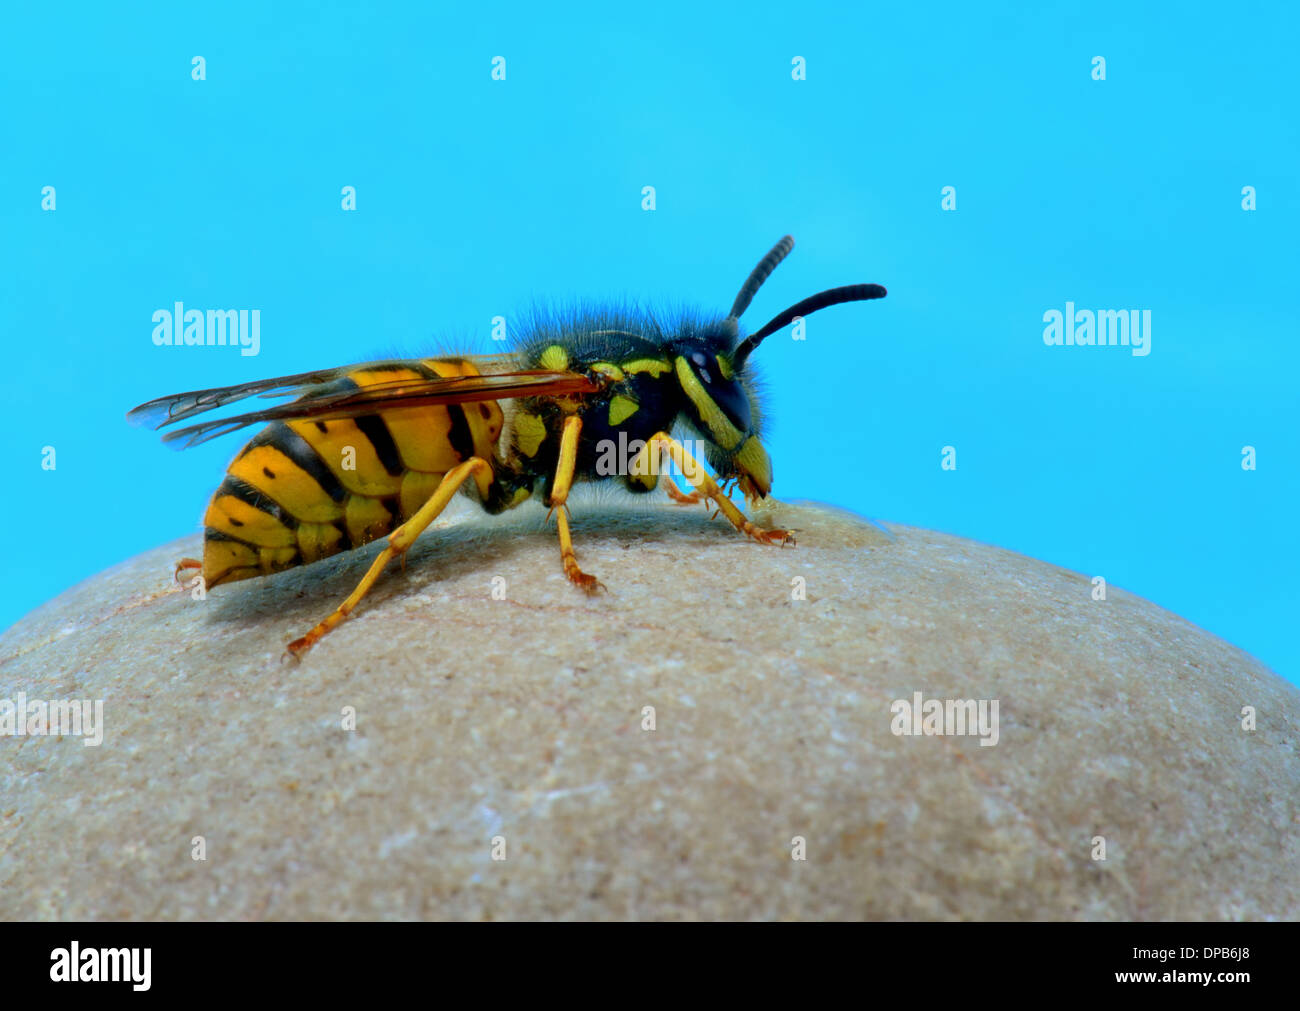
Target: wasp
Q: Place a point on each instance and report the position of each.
(380, 448)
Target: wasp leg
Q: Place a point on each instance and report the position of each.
(705, 486)
(559, 495)
(675, 493)
(183, 564)
(398, 543)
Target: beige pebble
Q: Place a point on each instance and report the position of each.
(517, 725)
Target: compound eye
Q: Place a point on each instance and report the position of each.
(701, 363)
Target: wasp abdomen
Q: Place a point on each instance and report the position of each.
(306, 489)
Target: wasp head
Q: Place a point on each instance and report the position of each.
(721, 404)
(711, 363)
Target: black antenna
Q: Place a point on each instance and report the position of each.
(769, 263)
(760, 274)
(832, 296)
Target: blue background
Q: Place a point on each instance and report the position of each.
(476, 196)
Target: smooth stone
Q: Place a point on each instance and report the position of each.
(521, 719)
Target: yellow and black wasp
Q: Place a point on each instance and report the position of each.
(379, 449)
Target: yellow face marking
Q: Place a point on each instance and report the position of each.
(554, 358)
(655, 366)
(529, 433)
(607, 369)
(621, 408)
(724, 366)
(724, 433)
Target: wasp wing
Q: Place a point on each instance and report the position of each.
(332, 398)
(165, 410)
(178, 406)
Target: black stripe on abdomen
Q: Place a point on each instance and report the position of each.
(245, 492)
(374, 428)
(300, 451)
(460, 436)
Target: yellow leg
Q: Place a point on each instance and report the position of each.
(705, 486)
(398, 542)
(675, 493)
(560, 494)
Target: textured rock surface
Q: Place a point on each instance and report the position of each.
(522, 718)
